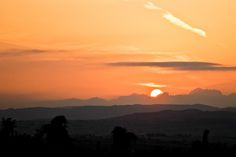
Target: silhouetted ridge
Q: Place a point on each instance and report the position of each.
(94, 112)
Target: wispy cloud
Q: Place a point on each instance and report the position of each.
(20, 52)
(151, 84)
(179, 65)
(175, 20)
(178, 22)
(152, 6)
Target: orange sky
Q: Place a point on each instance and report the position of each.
(61, 48)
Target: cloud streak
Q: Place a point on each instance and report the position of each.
(152, 6)
(151, 84)
(20, 52)
(178, 65)
(175, 20)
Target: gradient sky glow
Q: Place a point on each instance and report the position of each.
(68, 48)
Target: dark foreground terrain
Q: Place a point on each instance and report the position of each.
(186, 132)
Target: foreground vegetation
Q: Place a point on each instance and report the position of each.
(54, 139)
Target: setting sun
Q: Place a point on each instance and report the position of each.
(156, 92)
(54, 49)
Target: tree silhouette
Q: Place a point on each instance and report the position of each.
(7, 128)
(203, 146)
(123, 142)
(56, 135)
(205, 137)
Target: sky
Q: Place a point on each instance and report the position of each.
(51, 49)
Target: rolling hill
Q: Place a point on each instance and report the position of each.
(94, 112)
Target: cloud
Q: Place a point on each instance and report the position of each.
(175, 20)
(179, 65)
(151, 84)
(20, 52)
(152, 6)
(178, 22)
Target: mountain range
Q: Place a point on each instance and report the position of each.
(197, 96)
(98, 112)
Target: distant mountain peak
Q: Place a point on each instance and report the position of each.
(206, 92)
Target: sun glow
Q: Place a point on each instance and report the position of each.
(156, 92)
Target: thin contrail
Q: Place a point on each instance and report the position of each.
(175, 20)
